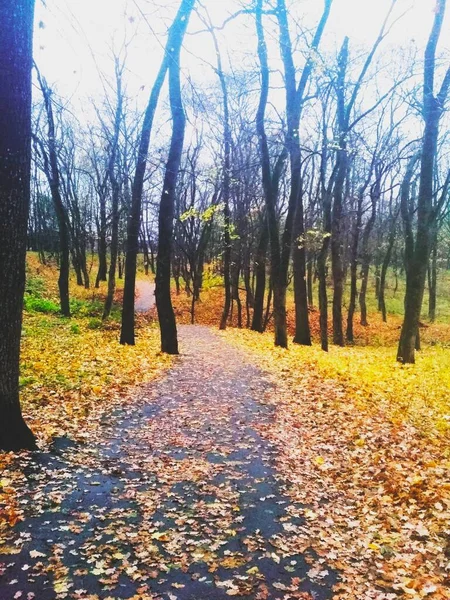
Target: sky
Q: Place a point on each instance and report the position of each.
(74, 38)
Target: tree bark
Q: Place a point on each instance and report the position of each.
(294, 218)
(354, 268)
(166, 315)
(433, 107)
(176, 32)
(51, 169)
(260, 289)
(365, 254)
(16, 20)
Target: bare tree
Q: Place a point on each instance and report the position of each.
(174, 39)
(417, 250)
(166, 316)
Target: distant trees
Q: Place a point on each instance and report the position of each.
(16, 22)
(294, 182)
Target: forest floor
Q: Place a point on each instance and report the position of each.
(225, 477)
(177, 497)
(236, 469)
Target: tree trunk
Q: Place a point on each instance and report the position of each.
(336, 247)
(384, 270)
(260, 289)
(175, 37)
(302, 331)
(354, 269)
(166, 316)
(432, 280)
(16, 20)
(433, 108)
(52, 173)
(323, 296)
(102, 248)
(365, 266)
(309, 279)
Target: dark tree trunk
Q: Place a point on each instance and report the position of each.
(309, 279)
(102, 247)
(226, 176)
(302, 331)
(175, 38)
(270, 186)
(114, 250)
(235, 289)
(384, 270)
(323, 296)
(354, 268)
(365, 253)
(115, 187)
(52, 173)
(260, 289)
(268, 306)
(145, 250)
(417, 262)
(294, 104)
(16, 20)
(432, 279)
(337, 266)
(166, 316)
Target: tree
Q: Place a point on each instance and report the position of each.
(174, 41)
(16, 21)
(166, 316)
(417, 251)
(295, 99)
(49, 155)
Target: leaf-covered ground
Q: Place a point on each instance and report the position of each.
(176, 497)
(248, 471)
(375, 488)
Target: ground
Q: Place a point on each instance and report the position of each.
(178, 498)
(235, 469)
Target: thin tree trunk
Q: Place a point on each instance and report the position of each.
(384, 270)
(354, 268)
(432, 280)
(102, 248)
(260, 269)
(51, 169)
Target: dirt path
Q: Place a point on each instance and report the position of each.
(145, 299)
(178, 501)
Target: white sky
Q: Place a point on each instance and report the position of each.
(73, 32)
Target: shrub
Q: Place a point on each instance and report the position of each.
(36, 304)
(94, 323)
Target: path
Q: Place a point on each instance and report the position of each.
(145, 299)
(179, 501)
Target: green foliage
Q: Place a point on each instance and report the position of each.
(211, 280)
(43, 305)
(94, 323)
(205, 216)
(35, 286)
(75, 328)
(312, 239)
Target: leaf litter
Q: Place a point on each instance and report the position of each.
(174, 496)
